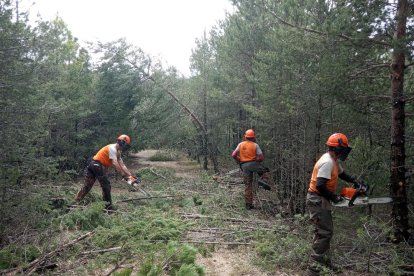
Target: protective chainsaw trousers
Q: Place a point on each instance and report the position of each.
(321, 217)
(249, 168)
(248, 189)
(93, 172)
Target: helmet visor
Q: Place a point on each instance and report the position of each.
(124, 145)
(344, 153)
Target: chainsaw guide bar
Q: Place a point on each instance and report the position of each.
(137, 187)
(365, 201)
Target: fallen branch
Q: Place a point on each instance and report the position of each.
(101, 250)
(50, 186)
(198, 216)
(218, 242)
(150, 197)
(33, 266)
(157, 174)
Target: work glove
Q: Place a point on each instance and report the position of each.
(336, 198)
(132, 180)
(136, 180)
(363, 188)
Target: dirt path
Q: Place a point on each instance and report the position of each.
(183, 167)
(224, 261)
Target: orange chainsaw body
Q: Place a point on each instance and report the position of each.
(348, 192)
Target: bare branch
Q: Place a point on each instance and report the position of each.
(382, 65)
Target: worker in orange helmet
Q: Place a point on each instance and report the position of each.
(321, 193)
(249, 155)
(109, 155)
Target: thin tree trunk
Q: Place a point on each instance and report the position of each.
(397, 179)
(204, 106)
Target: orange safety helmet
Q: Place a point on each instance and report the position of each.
(125, 138)
(249, 133)
(337, 140)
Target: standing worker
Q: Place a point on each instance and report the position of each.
(321, 193)
(249, 155)
(108, 156)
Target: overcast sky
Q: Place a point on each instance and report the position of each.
(166, 29)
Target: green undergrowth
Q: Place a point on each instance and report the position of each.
(363, 239)
(164, 155)
(153, 174)
(148, 236)
(177, 259)
(17, 254)
(283, 246)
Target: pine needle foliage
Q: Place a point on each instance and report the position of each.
(177, 259)
(86, 218)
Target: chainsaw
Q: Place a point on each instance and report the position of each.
(352, 197)
(135, 183)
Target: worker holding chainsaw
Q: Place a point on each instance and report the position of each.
(321, 194)
(108, 156)
(249, 155)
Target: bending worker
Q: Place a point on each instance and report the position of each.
(320, 194)
(249, 155)
(108, 156)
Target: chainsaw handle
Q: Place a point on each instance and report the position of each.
(356, 194)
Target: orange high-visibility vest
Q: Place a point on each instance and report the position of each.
(103, 156)
(247, 151)
(331, 184)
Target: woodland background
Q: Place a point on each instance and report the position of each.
(294, 71)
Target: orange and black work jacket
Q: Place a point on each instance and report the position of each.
(106, 154)
(248, 151)
(326, 167)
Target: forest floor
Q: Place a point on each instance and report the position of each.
(192, 222)
(227, 259)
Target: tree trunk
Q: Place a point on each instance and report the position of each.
(204, 150)
(397, 166)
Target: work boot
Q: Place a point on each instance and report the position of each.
(110, 208)
(249, 206)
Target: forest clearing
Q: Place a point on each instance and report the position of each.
(201, 212)
(242, 162)
(193, 224)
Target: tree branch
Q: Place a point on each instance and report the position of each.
(369, 69)
(32, 267)
(319, 32)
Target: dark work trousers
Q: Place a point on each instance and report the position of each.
(320, 210)
(94, 171)
(248, 169)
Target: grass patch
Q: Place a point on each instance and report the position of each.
(164, 155)
(153, 174)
